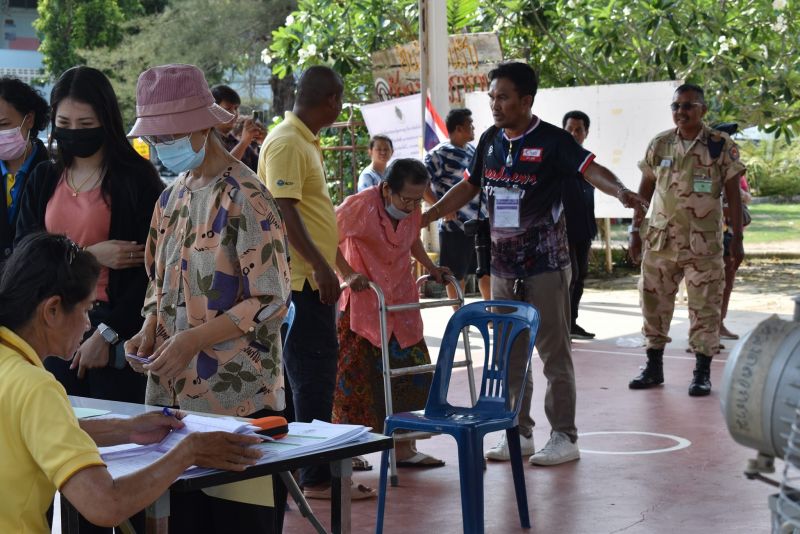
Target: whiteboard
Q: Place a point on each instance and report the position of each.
(624, 117)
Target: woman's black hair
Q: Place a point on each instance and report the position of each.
(92, 87)
(44, 265)
(25, 99)
(405, 171)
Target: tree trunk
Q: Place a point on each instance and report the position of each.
(282, 94)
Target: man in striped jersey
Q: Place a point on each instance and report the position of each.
(447, 163)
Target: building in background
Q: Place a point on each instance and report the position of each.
(19, 44)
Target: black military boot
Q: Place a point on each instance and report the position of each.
(701, 383)
(653, 374)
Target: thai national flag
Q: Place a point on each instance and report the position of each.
(435, 128)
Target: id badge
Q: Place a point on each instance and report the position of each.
(506, 208)
(667, 163)
(701, 184)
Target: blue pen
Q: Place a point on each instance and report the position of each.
(168, 413)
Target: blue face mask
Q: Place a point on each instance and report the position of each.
(179, 156)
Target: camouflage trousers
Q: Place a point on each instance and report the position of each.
(705, 280)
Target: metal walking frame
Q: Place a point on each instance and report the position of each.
(389, 373)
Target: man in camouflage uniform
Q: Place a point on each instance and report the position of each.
(684, 173)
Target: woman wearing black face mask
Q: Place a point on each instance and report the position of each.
(100, 193)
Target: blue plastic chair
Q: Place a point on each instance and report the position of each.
(492, 412)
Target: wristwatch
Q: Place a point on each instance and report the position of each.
(108, 333)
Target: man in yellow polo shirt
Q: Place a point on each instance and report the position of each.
(290, 164)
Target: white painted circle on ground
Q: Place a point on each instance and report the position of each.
(680, 443)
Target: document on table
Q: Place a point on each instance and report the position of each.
(127, 458)
(303, 438)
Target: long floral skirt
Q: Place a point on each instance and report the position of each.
(359, 395)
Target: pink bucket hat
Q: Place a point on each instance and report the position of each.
(175, 99)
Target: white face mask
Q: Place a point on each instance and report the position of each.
(12, 143)
(396, 213)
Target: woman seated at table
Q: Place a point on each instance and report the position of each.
(219, 285)
(378, 235)
(47, 288)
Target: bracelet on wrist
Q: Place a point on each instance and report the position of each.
(622, 190)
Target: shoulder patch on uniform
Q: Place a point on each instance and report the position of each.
(734, 152)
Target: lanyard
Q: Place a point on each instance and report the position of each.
(13, 183)
(510, 160)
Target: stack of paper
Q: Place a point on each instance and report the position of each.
(303, 438)
(127, 458)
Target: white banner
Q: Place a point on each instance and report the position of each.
(400, 119)
(623, 117)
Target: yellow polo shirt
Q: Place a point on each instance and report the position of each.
(290, 165)
(41, 444)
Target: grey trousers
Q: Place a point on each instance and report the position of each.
(549, 293)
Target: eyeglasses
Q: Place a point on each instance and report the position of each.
(154, 140)
(413, 202)
(684, 106)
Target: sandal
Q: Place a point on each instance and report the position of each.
(361, 464)
(357, 492)
(420, 461)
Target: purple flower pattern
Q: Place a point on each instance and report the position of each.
(220, 249)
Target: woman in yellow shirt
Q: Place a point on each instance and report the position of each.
(47, 288)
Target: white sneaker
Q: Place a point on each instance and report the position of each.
(500, 451)
(557, 451)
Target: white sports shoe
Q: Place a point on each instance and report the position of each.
(559, 450)
(500, 451)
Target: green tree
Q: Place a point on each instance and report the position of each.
(342, 35)
(773, 167)
(742, 51)
(192, 31)
(66, 26)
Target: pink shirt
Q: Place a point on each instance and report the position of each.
(86, 219)
(374, 248)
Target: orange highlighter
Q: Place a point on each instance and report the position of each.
(273, 426)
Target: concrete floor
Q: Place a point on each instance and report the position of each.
(621, 483)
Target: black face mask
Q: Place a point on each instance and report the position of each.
(79, 143)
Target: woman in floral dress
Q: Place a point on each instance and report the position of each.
(219, 284)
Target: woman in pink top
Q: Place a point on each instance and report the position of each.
(99, 192)
(378, 234)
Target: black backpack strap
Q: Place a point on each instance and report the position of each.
(715, 147)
